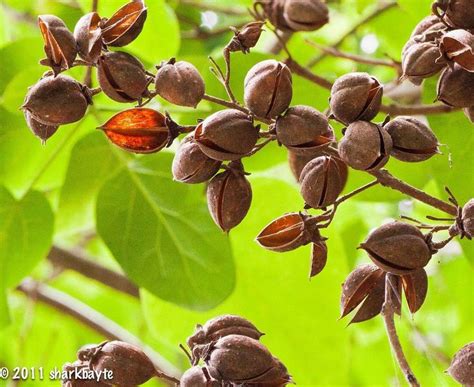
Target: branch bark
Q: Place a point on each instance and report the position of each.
(77, 261)
(96, 321)
(388, 313)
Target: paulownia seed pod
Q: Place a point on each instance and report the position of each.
(273, 11)
(425, 23)
(191, 165)
(422, 60)
(457, 13)
(229, 196)
(55, 101)
(303, 130)
(415, 287)
(458, 46)
(125, 25)
(70, 370)
(88, 37)
(319, 257)
(216, 328)
(455, 87)
(365, 146)
(413, 141)
(462, 365)
(355, 96)
(39, 129)
(122, 77)
(246, 38)
(59, 43)
(297, 162)
(464, 226)
(287, 233)
(130, 366)
(226, 135)
(243, 360)
(305, 15)
(138, 130)
(398, 248)
(196, 377)
(180, 83)
(322, 181)
(268, 88)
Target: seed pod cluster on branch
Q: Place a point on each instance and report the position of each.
(444, 42)
(232, 355)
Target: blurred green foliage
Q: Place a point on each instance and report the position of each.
(80, 185)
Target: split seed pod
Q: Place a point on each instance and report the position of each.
(397, 248)
(138, 130)
(268, 88)
(425, 23)
(365, 146)
(226, 135)
(355, 96)
(55, 101)
(297, 162)
(243, 360)
(273, 11)
(191, 165)
(322, 181)
(413, 141)
(305, 15)
(246, 38)
(422, 60)
(229, 196)
(455, 87)
(39, 129)
(458, 46)
(88, 37)
(125, 25)
(466, 225)
(180, 83)
(216, 328)
(303, 130)
(457, 13)
(319, 257)
(195, 377)
(59, 43)
(288, 232)
(129, 364)
(415, 286)
(462, 365)
(122, 77)
(79, 366)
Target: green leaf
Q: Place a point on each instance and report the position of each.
(4, 310)
(26, 230)
(163, 237)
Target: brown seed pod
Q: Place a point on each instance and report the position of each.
(39, 129)
(415, 286)
(76, 369)
(319, 257)
(322, 181)
(469, 112)
(88, 37)
(425, 24)
(297, 162)
(456, 13)
(364, 280)
(55, 101)
(59, 43)
(226, 135)
(268, 88)
(466, 224)
(422, 60)
(125, 25)
(355, 96)
(246, 38)
(303, 130)
(462, 365)
(287, 233)
(216, 328)
(273, 11)
(180, 83)
(191, 165)
(196, 377)
(129, 364)
(138, 130)
(229, 196)
(413, 141)
(122, 77)
(365, 146)
(458, 46)
(305, 15)
(240, 359)
(397, 248)
(455, 87)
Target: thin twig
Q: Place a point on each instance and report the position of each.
(388, 313)
(381, 8)
(355, 192)
(77, 261)
(96, 321)
(224, 79)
